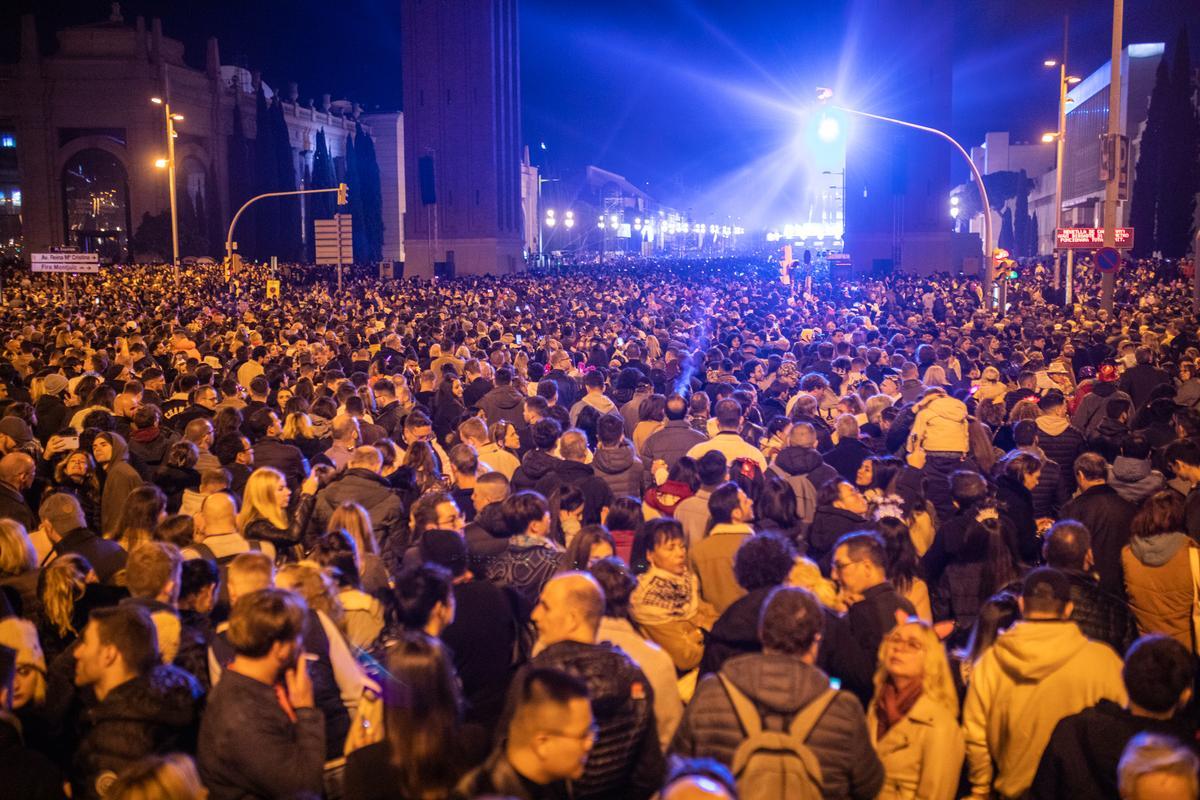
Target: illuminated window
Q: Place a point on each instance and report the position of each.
(8, 140)
(16, 199)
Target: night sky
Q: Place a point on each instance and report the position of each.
(674, 94)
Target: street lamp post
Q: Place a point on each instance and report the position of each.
(1060, 138)
(1111, 188)
(170, 165)
(824, 94)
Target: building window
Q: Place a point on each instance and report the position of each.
(8, 140)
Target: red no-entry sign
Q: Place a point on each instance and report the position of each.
(1108, 259)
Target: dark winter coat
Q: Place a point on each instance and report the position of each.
(14, 507)
(106, 557)
(249, 747)
(155, 713)
(369, 490)
(1141, 380)
(780, 687)
(846, 457)
(735, 632)
(828, 525)
(626, 760)
(1017, 506)
(174, 481)
(482, 639)
(620, 469)
(1102, 616)
(1081, 757)
(808, 462)
(287, 458)
(52, 416)
(1108, 518)
(150, 446)
(596, 493)
(535, 465)
(669, 444)
(1062, 446)
(503, 403)
(487, 537)
(25, 773)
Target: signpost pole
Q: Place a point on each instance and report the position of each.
(1111, 187)
(1070, 277)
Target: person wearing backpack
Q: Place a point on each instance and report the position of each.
(775, 719)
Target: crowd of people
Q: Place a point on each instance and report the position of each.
(651, 528)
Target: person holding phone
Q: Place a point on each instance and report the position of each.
(262, 734)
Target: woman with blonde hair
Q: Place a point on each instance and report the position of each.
(913, 718)
(60, 586)
(354, 519)
(169, 777)
(264, 513)
(309, 580)
(298, 431)
(935, 375)
(18, 563)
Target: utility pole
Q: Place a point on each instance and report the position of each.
(1112, 185)
(1059, 148)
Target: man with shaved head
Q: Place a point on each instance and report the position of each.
(16, 475)
(361, 483)
(626, 758)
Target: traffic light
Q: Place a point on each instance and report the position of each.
(342, 190)
(999, 264)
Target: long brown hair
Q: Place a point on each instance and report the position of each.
(422, 712)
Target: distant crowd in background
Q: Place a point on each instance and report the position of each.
(671, 528)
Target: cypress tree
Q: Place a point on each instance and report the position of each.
(1008, 238)
(320, 206)
(372, 193)
(288, 208)
(266, 174)
(1147, 177)
(1034, 244)
(214, 223)
(355, 209)
(1021, 218)
(241, 171)
(1180, 174)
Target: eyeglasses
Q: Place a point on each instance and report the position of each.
(841, 565)
(903, 643)
(588, 736)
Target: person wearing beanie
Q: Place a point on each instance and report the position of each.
(51, 410)
(484, 629)
(1039, 671)
(24, 772)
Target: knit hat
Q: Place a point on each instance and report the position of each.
(445, 548)
(54, 383)
(21, 635)
(16, 429)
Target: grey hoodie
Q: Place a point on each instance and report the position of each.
(1154, 551)
(1134, 479)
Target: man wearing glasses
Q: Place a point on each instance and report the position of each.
(859, 567)
(549, 739)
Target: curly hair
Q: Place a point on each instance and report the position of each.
(763, 560)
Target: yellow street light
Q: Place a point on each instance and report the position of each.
(161, 163)
(1049, 137)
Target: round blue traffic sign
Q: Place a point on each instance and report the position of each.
(1108, 259)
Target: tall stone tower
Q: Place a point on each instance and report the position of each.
(462, 137)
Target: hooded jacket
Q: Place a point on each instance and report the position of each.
(781, 686)
(120, 479)
(620, 469)
(599, 401)
(1093, 408)
(1158, 582)
(503, 403)
(154, 713)
(804, 462)
(940, 425)
(1035, 674)
(1134, 479)
(596, 494)
(536, 464)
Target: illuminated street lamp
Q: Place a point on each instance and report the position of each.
(169, 163)
(1059, 137)
(569, 222)
(825, 94)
